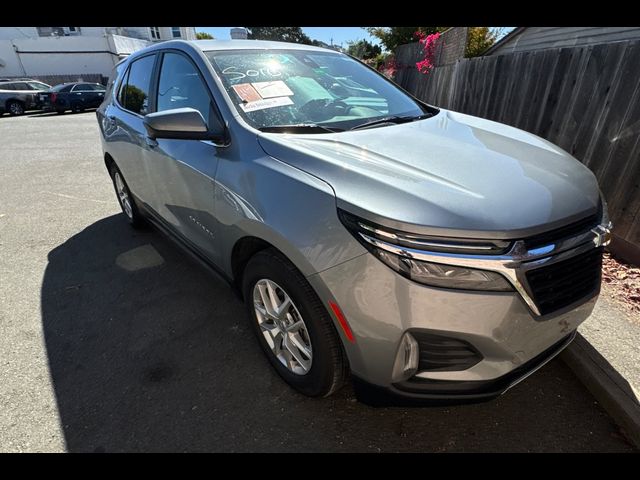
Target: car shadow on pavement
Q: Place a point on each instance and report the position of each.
(149, 352)
(55, 114)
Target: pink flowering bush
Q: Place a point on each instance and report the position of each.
(428, 43)
(389, 68)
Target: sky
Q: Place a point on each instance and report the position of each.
(340, 35)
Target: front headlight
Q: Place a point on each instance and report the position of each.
(391, 247)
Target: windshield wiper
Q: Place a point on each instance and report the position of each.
(301, 128)
(392, 119)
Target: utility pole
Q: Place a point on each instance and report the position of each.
(15, 47)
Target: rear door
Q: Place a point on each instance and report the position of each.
(25, 94)
(81, 95)
(94, 94)
(183, 171)
(100, 91)
(123, 127)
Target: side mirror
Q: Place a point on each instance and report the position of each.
(181, 123)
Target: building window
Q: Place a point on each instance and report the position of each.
(175, 31)
(51, 31)
(155, 33)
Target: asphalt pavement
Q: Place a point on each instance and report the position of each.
(114, 340)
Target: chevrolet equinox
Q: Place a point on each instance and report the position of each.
(426, 253)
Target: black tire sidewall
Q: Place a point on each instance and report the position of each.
(266, 265)
(136, 221)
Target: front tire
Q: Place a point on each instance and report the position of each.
(125, 198)
(293, 328)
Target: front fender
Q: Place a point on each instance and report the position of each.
(284, 206)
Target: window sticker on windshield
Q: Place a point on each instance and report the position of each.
(266, 103)
(272, 89)
(247, 93)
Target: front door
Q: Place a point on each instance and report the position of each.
(183, 171)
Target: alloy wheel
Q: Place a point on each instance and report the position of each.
(123, 195)
(282, 326)
(16, 109)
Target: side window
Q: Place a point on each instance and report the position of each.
(136, 90)
(38, 86)
(78, 88)
(7, 86)
(182, 86)
(21, 86)
(67, 88)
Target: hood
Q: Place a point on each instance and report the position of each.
(452, 174)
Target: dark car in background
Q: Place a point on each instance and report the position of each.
(19, 95)
(77, 96)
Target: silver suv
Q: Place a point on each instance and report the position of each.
(427, 253)
(18, 96)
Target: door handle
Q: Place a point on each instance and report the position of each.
(151, 142)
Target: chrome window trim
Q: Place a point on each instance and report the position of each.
(512, 265)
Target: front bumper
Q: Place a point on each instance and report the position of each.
(418, 393)
(380, 306)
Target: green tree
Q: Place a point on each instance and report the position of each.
(363, 49)
(479, 39)
(280, 34)
(392, 37)
(204, 36)
(135, 99)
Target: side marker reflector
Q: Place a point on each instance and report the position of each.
(343, 321)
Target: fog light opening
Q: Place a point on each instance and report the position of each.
(407, 358)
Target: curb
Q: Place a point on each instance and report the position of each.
(610, 389)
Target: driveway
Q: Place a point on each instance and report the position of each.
(114, 340)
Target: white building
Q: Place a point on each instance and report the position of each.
(33, 51)
(152, 34)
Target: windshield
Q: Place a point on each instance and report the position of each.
(272, 88)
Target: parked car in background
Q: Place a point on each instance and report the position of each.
(77, 96)
(19, 95)
(430, 253)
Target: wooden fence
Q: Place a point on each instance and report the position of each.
(584, 99)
